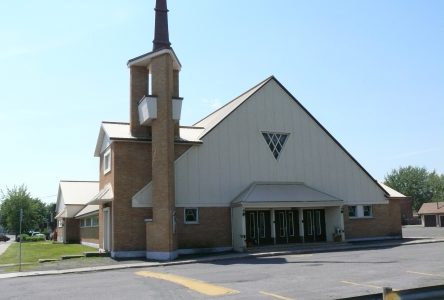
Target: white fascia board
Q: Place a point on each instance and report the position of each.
(145, 60)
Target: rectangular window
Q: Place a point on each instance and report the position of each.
(282, 227)
(352, 212)
(87, 222)
(309, 223)
(262, 225)
(368, 211)
(318, 222)
(107, 161)
(252, 225)
(191, 216)
(290, 223)
(82, 223)
(95, 221)
(60, 223)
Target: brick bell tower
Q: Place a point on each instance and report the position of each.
(154, 116)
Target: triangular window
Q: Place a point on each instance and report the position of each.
(275, 141)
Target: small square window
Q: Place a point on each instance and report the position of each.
(191, 215)
(352, 212)
(107, 161)
(368, 211)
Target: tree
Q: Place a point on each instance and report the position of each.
(34, 210)
(417, 183)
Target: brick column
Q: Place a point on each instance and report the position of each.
(138, 89)
(161, 241)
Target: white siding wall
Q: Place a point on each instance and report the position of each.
(234, 154)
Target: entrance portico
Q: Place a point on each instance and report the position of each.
(283, 213)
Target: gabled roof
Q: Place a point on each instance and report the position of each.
(431, 208)
(213, 119)
(122, 131)
(77, 192)
(391, 192)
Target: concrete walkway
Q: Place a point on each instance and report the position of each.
(257, 252)
(5, 245)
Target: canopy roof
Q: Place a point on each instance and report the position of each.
(284, 195)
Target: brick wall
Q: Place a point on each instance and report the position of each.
(89, 234)
(386, 221)
(72, 230)
(213, 230)
(131, 171)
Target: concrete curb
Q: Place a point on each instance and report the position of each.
(315, 249)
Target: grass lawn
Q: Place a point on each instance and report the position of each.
(32, 251)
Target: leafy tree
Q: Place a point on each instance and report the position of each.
(34, 210)
(417, 183)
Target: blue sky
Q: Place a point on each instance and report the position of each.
(372, 72)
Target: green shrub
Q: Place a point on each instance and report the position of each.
(37, 238)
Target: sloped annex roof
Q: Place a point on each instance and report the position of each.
(78, 192)
(391, 192)
(431, 208)
(122, 131)
(88, 210)
(284, 193)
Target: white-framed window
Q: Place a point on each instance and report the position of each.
(276, 142)
(95, 221)
(360, 211)
(367, 210)
(107, 161)
(352, 211)
(191, 216)
(60, 223)
(89, 222)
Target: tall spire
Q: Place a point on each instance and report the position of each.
(161, 36)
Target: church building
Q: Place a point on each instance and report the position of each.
(260, 170)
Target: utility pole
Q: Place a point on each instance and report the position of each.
(20, 236)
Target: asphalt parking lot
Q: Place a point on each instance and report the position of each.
(308, 276)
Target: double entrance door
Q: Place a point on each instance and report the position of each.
(286, 226)
(258, 227)
(314, 225)
(286, 229)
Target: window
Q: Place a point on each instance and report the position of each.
(352, 212)
(191, 215)
(107, 161)
(95, 221)
(368, 211)
(87, 222)
(276, 142)
(360, 211)
(82, 223)
(262, 225)
(60, 223)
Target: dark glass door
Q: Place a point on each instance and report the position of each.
(258, 226)
(286, 226)
(314, 225)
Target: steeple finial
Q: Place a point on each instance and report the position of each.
(161, 36)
